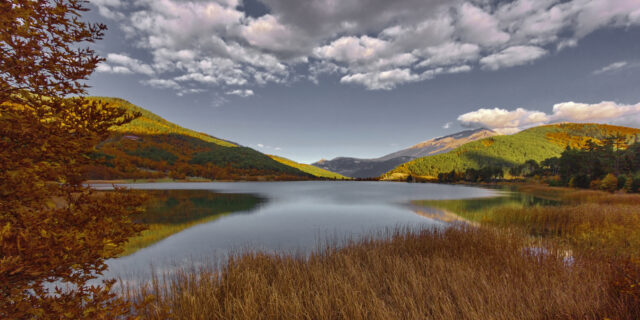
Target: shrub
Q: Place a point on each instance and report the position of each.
(609, 183)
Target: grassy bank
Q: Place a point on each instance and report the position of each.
(593, 222)
(460, 273)
(576, 259)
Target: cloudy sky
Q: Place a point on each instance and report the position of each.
(311, 79)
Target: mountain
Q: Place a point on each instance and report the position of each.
(538, 143)
(366, 168)
(310, 169)
(152, 147)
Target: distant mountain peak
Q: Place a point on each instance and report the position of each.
(364, 168)
(462, 134)
(455, 140)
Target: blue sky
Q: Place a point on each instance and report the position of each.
(323, 78)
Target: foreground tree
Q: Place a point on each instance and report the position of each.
(55, 234)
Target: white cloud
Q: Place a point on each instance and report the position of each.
(459, 69)
(353, 50)
(106, 68)
(385, 80)
(512, 56)
(110, 3)
(594, 14)
(450, 53)
(162, 84)
(447, 125)
(505, 121)
(535, 22)
(324, 67)
(106, 8)
(606, 111)
(612, 67)
(378, 44)
(478, 26)
(268, 33)
(502, 120)
(240, 93)
(120, 63)
(431, 32)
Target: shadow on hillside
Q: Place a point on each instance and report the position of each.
(483, 160)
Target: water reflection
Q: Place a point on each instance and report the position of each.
(204, 222)
(171, 211)
(472, 210)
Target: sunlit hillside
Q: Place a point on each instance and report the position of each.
(151, 124)
(152, 147)
(537, 143)
(313, 170)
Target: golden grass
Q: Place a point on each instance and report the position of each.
(599, 222)
(458, 273)
(593, 228)
(576, 260)
(574, 196)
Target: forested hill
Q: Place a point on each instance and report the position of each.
(152, 147)
(151, 124)
(537, 143)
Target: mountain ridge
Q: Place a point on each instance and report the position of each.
(537, 143)
(365, 168)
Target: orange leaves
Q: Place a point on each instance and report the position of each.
(52, 228)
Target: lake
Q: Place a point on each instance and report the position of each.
(194, 223)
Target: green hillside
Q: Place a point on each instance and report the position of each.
(537, 143)
(151, 124)
(313, 170)
(152, 147)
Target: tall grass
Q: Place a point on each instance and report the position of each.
(594, 228)
(596, 225)
(595, 221)
(578, 259)
(457, 273)
(575, 196)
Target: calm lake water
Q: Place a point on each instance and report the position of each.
(215, 219)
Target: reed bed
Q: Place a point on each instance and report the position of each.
(579, 259)
(591, 228)
(575, 196)
(458, 273)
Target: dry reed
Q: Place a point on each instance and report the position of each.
(458, 273)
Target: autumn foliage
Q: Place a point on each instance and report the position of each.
(151, 147)
(54, 233)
